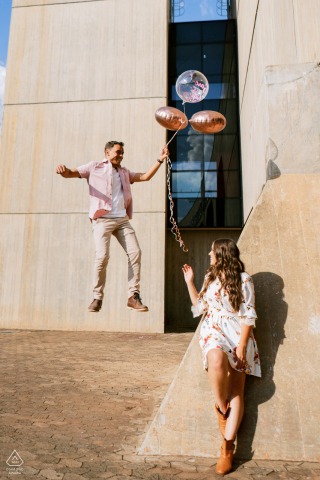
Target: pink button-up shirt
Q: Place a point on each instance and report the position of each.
(99, 178)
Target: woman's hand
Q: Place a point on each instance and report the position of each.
(188, 273)
(241, 353)
(189, 279)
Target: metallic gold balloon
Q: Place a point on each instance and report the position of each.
(208, 121)
(171, 118)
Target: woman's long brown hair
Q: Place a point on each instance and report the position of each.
(227, 269)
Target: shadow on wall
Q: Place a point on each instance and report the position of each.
(272, 313)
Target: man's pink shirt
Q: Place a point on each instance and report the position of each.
(99, 178)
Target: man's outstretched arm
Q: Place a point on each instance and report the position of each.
(66, 172)
(144, 177)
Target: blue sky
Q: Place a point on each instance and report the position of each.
(197, 10)
(5, 14)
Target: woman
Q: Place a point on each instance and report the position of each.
(226, 339)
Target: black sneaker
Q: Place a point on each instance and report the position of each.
(135, 303)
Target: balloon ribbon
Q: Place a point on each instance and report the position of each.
(175, 228)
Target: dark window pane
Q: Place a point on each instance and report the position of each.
(206, 177)
(214, 32)
(188, 33)
(186, 182)
(188, 57)
(210, 182)
(213, 57)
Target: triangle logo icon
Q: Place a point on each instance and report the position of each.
(14, 460)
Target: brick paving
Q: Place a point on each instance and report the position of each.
(76, 406)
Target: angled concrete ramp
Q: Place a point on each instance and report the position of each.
(280, 248)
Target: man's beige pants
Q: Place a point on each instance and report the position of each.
(102, 229)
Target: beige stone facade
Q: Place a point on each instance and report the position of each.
(79, 74)
(278, 44)
(280, 117)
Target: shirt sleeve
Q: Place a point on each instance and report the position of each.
(131, 176)
(247, 312)
(84, 170)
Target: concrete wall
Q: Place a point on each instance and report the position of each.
(280, 133)
(280, 248)
(273, 34)
(79, 74)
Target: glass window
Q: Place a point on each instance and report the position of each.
(186, 184)
(195, 11)
(206, 177)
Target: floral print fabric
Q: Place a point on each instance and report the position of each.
(221, 326)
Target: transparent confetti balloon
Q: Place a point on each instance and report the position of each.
(192, 86)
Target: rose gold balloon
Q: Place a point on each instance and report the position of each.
(171, 118)
(208, 121)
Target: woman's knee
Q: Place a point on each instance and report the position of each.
(217, 360)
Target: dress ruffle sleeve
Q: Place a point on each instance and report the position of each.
(198, 309)
(247, 312)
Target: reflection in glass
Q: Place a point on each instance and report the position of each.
(210, 180)
(186, 182)
(195, 11)
(206, 180)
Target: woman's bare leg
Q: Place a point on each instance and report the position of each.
(235, 396)
(218, 368)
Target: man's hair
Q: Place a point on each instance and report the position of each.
(112, 143)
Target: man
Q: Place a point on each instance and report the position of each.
(110, 211)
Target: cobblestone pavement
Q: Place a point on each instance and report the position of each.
(76, 406)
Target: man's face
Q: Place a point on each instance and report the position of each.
(115, 155)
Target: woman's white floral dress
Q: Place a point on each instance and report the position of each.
(221, 326)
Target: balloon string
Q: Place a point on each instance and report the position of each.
(182, 123)
(174, 229)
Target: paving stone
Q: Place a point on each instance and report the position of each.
(69, 462)
(159, 462)
(312, 465)
(247, 463)
(78, 471)
(184, 466)
(205, 468)
(82, 403)
(258, 471)
(299, 470)
(274, 464)
(51, 474)
(190, 476)
(26, 455)
(164, 470)
(48, 459)
(106, 475)
(242, 474)
(29, 471)
(74, 476)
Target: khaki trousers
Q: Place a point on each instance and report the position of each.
(121, 228)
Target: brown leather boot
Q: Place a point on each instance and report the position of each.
(224, 464)
(222, 418)
(135, 303)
